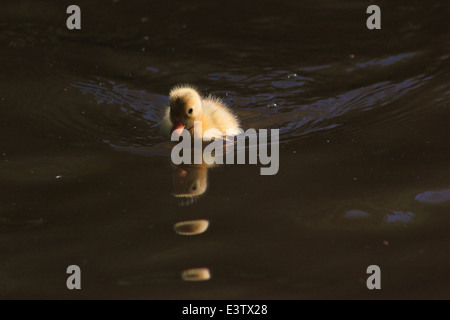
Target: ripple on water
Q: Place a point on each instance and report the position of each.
(132, 101)
(433, 197)
(266, 98)
(14, 224)
(356, 214)
(399, 217)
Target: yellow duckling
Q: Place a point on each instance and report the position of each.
(187, 106)
(189, 182)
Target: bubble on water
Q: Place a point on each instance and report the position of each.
(433, 197)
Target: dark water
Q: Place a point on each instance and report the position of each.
(364, 179)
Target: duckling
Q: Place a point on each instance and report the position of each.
(189, 183)
(187, 106)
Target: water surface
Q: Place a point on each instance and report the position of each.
(86, 178)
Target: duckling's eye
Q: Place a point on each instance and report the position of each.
(194, 187)
(190, 111)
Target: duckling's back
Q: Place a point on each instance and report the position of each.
(219, 116)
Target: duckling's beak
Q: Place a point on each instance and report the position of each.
(181, 173)
(178, 125)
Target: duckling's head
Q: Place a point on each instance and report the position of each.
(189, 182)
(185, 107)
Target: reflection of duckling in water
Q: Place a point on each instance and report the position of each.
(192, 227)
(196, 274)
(189, 182)
(186, 106)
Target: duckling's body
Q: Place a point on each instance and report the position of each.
(187, 106)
